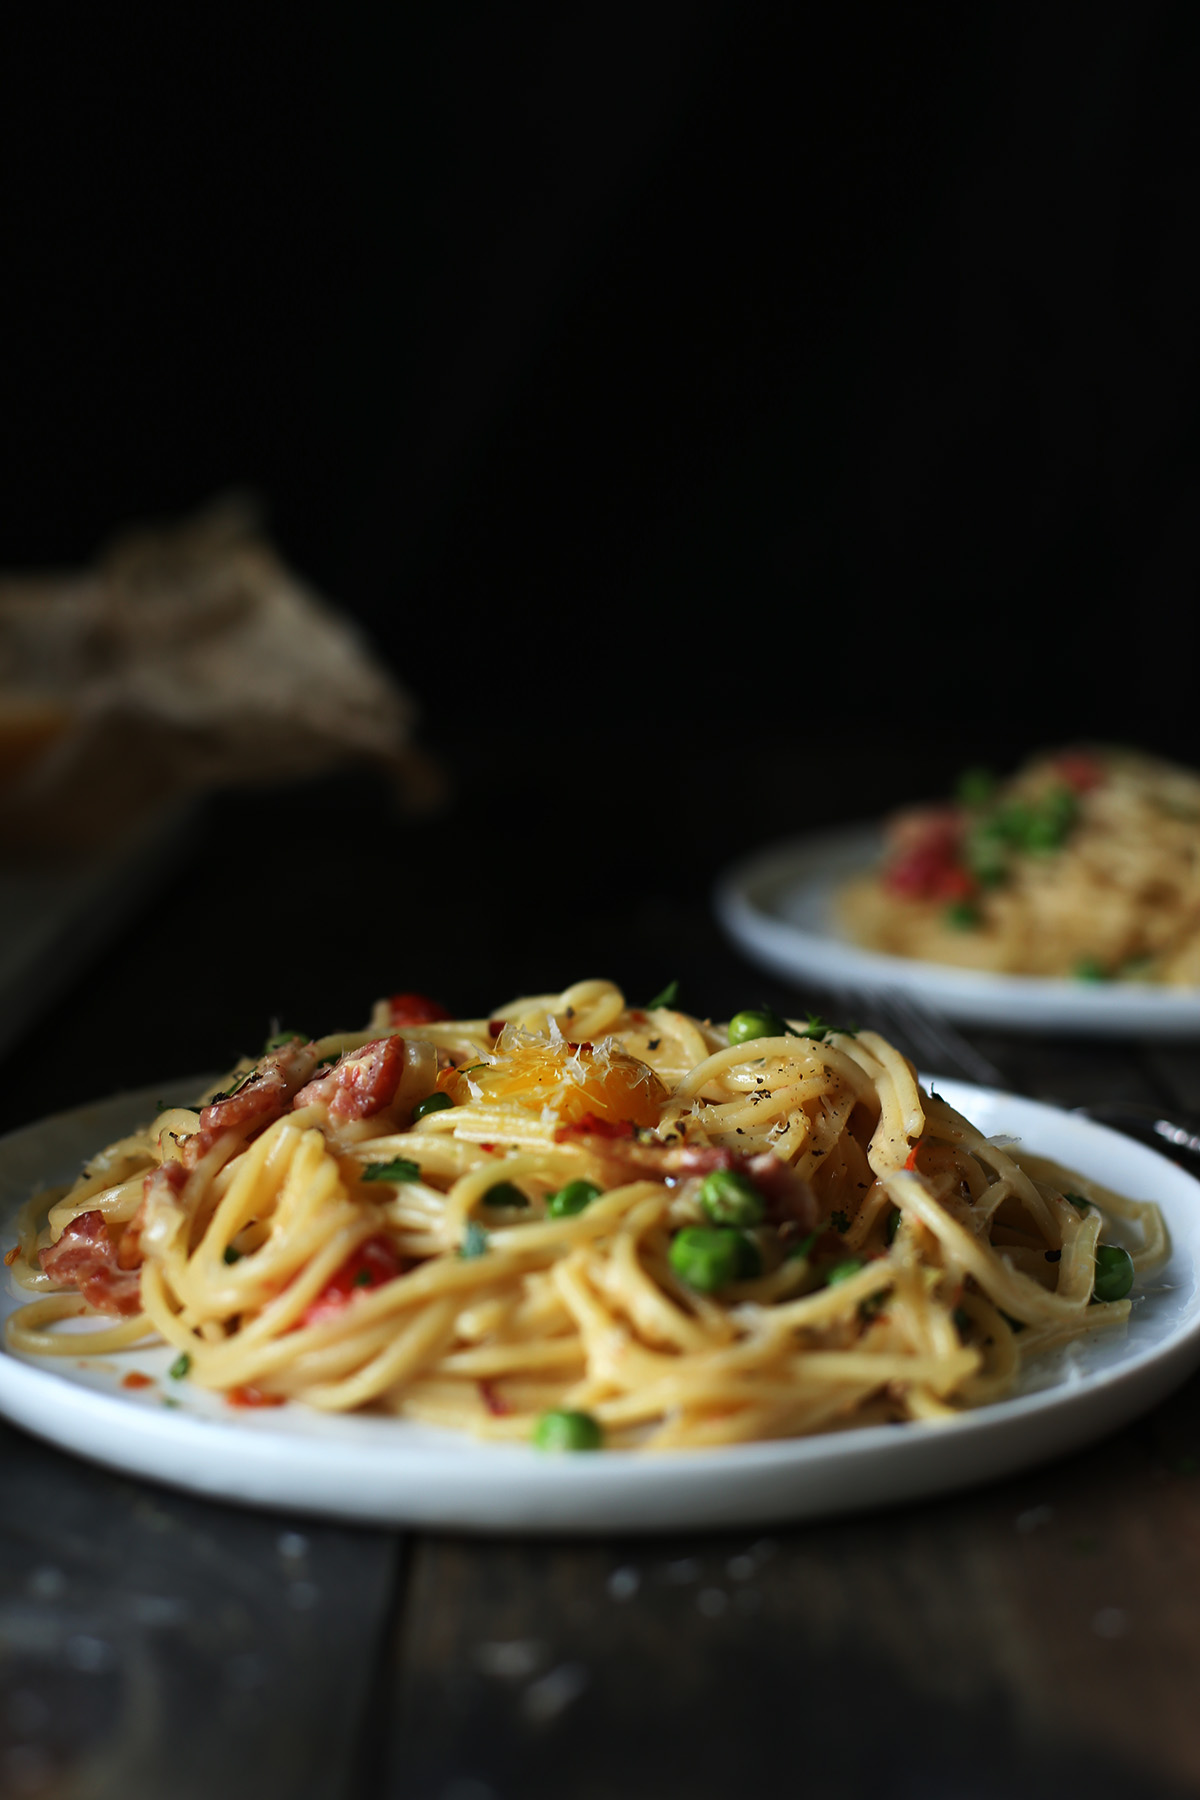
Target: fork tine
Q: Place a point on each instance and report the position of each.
(929, 1038)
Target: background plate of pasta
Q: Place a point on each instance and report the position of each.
(1065, 897)
(584, 1265)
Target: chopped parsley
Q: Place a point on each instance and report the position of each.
(840, 1222)
(817, 1029)
(401, 1168)
(668, 997)
(180, 1367)
(963, 915)
(1090, 968)
(243, 1081)
(474, 1241)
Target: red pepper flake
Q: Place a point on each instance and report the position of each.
(135, 1379)
(253, 1396)
(496, 1026)
(10, 1256)
(496, 1404)
(912, 1155)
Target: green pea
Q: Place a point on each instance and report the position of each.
(504, 1193)
(565, 1430)
(432, 1103)
(571, 1199)
(706, 1257)
(731, 1198)
(744, 1027)
(1114, 1273)
(842, 1271)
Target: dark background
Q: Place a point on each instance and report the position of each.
(726, 420)
(543, 332)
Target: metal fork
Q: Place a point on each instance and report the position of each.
(926, 1036)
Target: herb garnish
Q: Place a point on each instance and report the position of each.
(668, 997)
(243, 1081)
(401, 1168)
(474, 1241)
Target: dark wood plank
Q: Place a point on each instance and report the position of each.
(153, 1644)
(1037, 1638)
(1069, 1071)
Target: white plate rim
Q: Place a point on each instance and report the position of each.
(749, 897)
(290, 1461)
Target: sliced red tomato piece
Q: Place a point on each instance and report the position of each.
(371, 1265)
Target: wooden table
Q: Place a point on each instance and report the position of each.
(1037, 1637)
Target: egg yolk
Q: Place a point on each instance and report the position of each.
(574, 1080)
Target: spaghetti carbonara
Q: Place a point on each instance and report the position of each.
(580, 1222)
(1086, 863)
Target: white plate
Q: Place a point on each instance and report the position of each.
(779, 906)
(390, 1472)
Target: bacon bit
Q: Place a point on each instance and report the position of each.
(592, 1126)
(361, 1084)
(414, 1009)
(135, 1379)
(496, 1404)
(1080, 770)
(85, 1257)
(253, 1396)
(171, 1176)
(261, 1098)
(10, 1256)
(371, 1265)
(496, 1026)
(703, 1159)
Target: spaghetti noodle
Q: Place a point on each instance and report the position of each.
(1086, 864)
(577, 1220)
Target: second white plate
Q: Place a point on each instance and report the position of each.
(779, 906)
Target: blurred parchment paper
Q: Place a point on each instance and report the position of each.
(190, 658)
